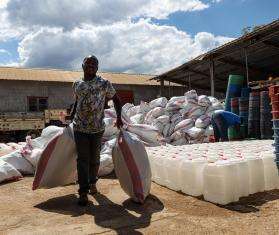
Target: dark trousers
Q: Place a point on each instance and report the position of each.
(88, 158)
(220, 127)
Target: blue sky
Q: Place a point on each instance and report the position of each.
(160, 36)
(226, 18)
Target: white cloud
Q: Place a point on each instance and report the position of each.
(69, 14)
(58, 34)
(140, 47)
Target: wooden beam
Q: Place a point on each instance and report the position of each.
(271, 44)
(240, 64)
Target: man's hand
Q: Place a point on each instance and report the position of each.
(119, 123)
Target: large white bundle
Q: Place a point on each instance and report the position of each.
(47, 134)
(175, 103)
(153, 114)
(8, 172)
(57, 165)
(146, 133)
(137, 119)
(184, 125)
(177, 136)
(209, 131)
(195, 132)
(34, 156)
(166, 130)
(191, 95)
(110, 127)
(144, 107)
(165, 119)
(14, 146)
(176, 118)
(203, 121)
(106, 164)
(160, 102)
(5, 149)
(132, 166)
(160, 126)
(195, 112)
(203, 100)
(19, 162)
(110, 113)
(127, 109)
(181, 141)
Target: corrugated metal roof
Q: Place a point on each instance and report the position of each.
(53, 75)
(261, 47)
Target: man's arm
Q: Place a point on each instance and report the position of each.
(73, 111)
(118, 108)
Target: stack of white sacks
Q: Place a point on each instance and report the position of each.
(178, 121)
(221, 172)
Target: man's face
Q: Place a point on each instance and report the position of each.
(90, 67)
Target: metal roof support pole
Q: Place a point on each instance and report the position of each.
(169, 89)
(189, 82)
(247, 66)
(212, 75)
(162, 87)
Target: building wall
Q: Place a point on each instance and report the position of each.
(13, 94)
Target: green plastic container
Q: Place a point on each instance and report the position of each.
(234, 88)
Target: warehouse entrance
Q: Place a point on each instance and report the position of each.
(126, 96)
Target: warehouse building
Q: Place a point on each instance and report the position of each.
(33, 90)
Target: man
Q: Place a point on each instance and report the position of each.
(91, 94)
(221, 120)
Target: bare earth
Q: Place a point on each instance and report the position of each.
(24, 211)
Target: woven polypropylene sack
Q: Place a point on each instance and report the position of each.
(57, 165)
(132, 166)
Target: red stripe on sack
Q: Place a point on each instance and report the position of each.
(133, 169)
(46, 154)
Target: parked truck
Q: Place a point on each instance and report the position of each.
(16, 125)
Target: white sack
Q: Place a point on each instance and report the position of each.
(181, 141)
(203, 101)
(166, 130)
(47, 134)
(33, 156)
(153, 114)
(144, 107)
(175, 103)
(184, 124)
(209, 131)
(110, 127)
(196, 112)
(165, 119)
(57, 165)
(146, 133)
(203, 121)
(160, 102)
(5, 149)
(14, 146)
(19, 162)
(137, 119)
(8, 172)
(106, 164)
(192, 95)
(177, 135)
(132, 167)
(195, 132)
(127, 108)
(110, 113)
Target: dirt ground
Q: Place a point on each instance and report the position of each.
(24, 211)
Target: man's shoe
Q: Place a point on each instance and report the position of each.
(93, 189)
(83, 200)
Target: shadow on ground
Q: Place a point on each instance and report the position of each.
(253, 202)
(108, 214)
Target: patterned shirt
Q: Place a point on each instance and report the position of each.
(91, 96)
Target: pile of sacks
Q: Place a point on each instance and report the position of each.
(17, 160)
(178, 121)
